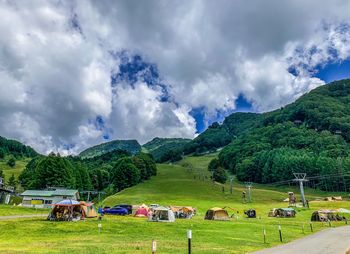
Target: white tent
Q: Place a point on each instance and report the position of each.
(162, 214)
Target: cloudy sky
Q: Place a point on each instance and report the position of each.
(77, 73)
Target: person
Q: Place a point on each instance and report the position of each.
(243, 197)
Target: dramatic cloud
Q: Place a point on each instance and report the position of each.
(76, 73)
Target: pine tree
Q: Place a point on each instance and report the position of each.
(12, 181)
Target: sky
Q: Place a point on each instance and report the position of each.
(78, 73)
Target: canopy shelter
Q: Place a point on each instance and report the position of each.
(142, 211)
(162, 214)
(328, 215)
(67, 210)
(282, 212)
(183, 212)
(216, 213)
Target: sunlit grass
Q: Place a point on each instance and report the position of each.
(174, 185)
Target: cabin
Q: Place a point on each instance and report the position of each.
(46, 198)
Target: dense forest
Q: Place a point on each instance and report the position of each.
(112, 171)
(217, 135)
(131, 146)
(166, 149)
(310, 135)
(15, 148)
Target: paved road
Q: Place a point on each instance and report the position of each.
(22, 216)
(329, 241)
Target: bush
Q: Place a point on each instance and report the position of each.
(219, 175)
(11, 162)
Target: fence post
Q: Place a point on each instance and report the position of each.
(189, 236)
(154, 246)
(280, 232)
(311, 228)
(303, 228)
(264, 233)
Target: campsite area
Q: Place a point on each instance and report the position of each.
(184, 183)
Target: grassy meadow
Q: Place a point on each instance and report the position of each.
(177, 184)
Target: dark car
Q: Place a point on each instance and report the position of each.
(127, 207)
(116, 210)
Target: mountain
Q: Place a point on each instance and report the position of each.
(311, 135)
(131, 146)
(217, 135)
(164, 149)
(15, 148)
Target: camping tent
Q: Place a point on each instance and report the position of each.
(334, 198)
(251, 213)
(162, 214)
(183, 212)
(142, 211)
(282, 212)
(89, 209)
(67, 210)
(326, 215)
(216, 213)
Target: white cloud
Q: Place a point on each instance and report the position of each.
(55, 63)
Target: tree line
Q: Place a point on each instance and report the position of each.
(112, 171)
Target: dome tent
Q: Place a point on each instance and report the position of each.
(216, 213)
(142, 211)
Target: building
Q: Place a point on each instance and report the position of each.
(5, 192)
(45, 198)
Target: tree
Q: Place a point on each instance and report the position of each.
(48, 171)
(213, 164)
(2, 174)
(219, 175)
(12, 181)
(11, 162)
(125, 174)
(2, 153)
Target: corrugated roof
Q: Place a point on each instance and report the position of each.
(64, 192)
(50, 193)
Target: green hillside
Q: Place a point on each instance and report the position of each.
(14, 157)
(166, 149)
(131, 146)
(184, 183)
(310, 135)
(217, 135)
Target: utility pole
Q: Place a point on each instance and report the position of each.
(249, 185)
(231, 184)
(300, 177)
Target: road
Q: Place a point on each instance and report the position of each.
(22, 216)
(329, 241)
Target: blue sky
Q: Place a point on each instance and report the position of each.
(334, 71)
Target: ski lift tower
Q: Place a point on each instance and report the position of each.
(301, 178)
(249, 186)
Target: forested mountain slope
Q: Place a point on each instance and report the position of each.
(166, 149)
(131, 146)
(310, 135)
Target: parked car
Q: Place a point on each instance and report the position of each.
(116, 210)
(127, 207)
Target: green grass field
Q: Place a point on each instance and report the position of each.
(16, 170)
(174, 185)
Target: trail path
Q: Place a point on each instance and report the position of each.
(329, 241)
(21, 216)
